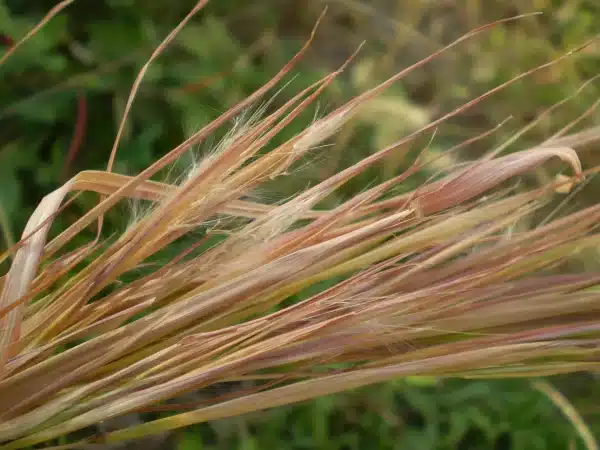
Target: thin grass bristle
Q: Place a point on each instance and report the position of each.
(438, 281)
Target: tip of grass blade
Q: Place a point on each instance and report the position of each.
(53, 12)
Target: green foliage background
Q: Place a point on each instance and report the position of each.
(81, 66)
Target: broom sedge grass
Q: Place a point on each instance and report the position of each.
(434, 282)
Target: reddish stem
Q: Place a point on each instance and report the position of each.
(78, 134)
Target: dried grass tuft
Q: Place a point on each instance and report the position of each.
(435, 282)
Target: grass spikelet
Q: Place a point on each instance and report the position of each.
(295, 298)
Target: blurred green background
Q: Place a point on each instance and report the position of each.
(63, 93)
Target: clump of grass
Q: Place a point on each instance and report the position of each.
(299, 300)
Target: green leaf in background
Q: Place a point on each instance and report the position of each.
(10, 193)
(13, 157)
(48, 111)
(109, 39)
(189, 440)
(201, 40)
